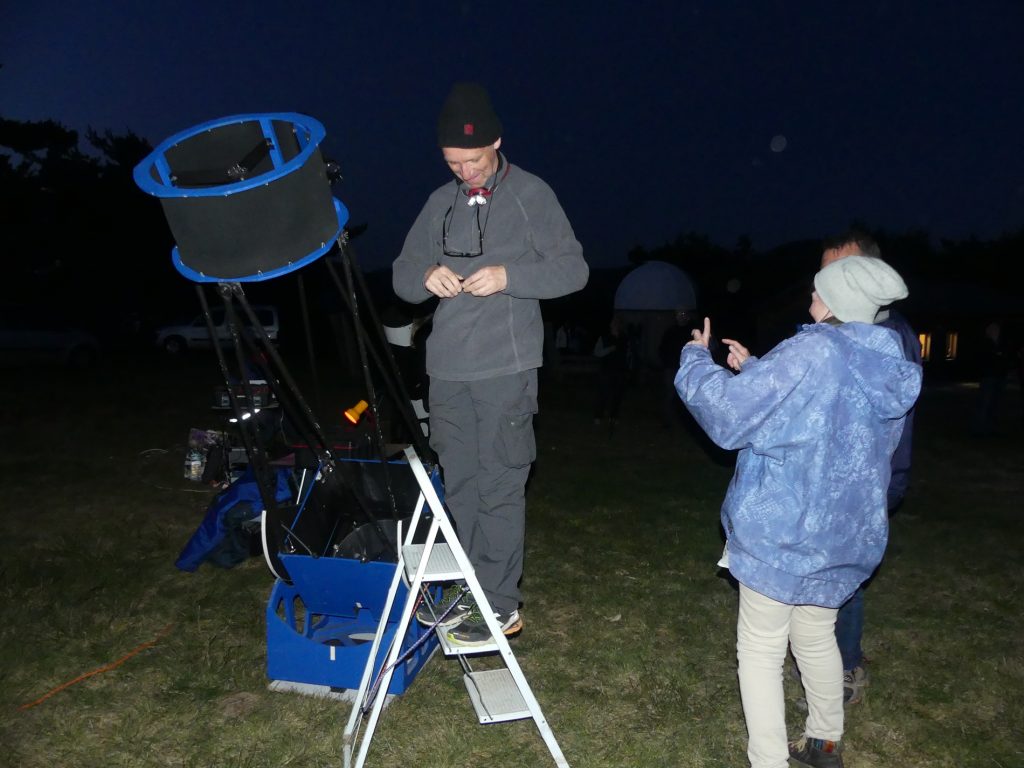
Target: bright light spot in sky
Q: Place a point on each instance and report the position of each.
(778, 143)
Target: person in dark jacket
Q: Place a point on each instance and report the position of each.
(672, 341)
(850, 620)
(816, 421)
(489, 245)
(995, 362)
(612, 352)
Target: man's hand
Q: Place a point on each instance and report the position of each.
(442, 282)
(701, 337)
(738, 354)
(486, 281)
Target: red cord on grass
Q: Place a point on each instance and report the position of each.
(105, 668)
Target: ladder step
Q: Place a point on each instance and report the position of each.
(495, 696)
(442, 565)
(452, 649)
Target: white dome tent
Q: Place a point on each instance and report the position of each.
(648, 298)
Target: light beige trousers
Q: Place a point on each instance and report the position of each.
(763, 631)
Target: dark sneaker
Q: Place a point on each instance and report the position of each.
(854, 682)
(816, 753)
(474, 630)
(429, 613)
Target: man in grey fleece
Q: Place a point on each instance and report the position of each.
(489, 244)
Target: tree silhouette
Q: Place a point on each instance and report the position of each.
(77, 232)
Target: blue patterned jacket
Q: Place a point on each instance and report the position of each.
(816, 421)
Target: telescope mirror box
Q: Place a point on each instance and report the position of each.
(325, 608)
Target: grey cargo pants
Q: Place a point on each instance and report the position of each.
(483, 434)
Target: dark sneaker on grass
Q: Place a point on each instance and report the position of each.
(474, 631)
(427, 614)
(854, 682)
(816, 753)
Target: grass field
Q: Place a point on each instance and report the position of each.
(629, 643)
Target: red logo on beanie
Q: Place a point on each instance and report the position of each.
(467, 129)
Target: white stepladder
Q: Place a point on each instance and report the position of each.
(498, 695)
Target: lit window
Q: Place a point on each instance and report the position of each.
(925, 340)
(951, 343)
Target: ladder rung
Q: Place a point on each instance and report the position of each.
(442, 565)
(495, 695)
(451, 649)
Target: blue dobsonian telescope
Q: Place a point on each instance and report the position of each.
(248, 199)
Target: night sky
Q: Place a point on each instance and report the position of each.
(778, 120)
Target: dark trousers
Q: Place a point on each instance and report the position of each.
(483, 434)
(850, 628)
(611, 385)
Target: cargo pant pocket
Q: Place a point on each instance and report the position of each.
(516, 445)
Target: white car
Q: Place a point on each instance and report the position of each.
(31, 337)
(175, 339)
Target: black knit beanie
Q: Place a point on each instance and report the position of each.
(467, 119)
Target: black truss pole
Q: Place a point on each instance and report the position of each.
(329, 465)
(389, 370)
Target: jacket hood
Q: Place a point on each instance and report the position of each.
(888, 380)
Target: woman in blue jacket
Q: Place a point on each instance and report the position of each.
(816, 421)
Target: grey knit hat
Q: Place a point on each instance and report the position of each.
(467, 119)
(855, 287)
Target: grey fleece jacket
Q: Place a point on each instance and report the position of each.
(525, 230)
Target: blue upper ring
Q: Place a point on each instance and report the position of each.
(309, 131)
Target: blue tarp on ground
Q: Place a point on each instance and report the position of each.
(219, 539)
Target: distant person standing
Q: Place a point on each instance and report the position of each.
(850, 620)
(562, 339)
(489, 245)
(612, 353)
(672, 341)
(994, 365)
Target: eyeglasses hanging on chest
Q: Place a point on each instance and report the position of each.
(467, 244)
(468, 241)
